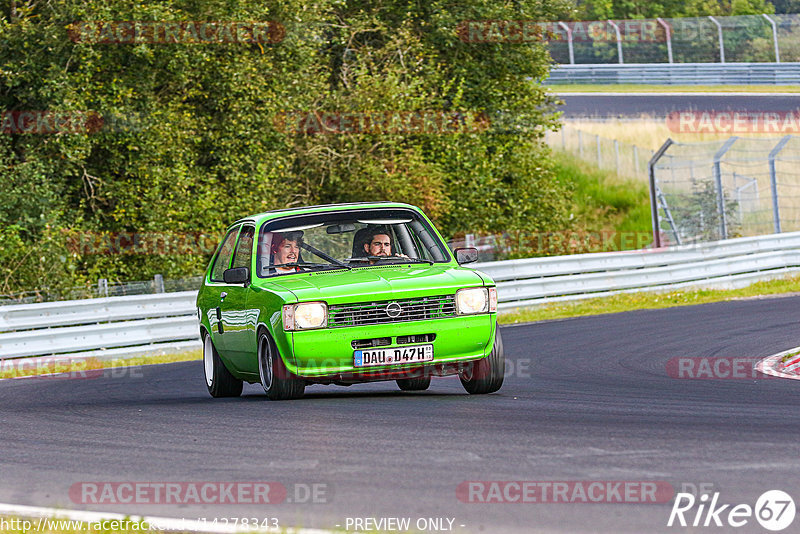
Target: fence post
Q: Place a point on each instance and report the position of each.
(773, 181)
(653, 200)
(159, 283)
(669, 37)
(619, 40)
(774, 37)
(597, 139)
(721, 44)
(723, 224)
(569, 43)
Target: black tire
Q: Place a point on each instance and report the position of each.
(278, 382)
(414, 384)
(219, 381)
(486, 375)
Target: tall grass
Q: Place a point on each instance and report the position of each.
(605, 203)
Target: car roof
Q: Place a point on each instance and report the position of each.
(274, 214)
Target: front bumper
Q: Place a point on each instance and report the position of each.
(328, 353)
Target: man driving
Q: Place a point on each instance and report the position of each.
(378, 242)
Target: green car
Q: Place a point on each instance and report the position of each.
(343, 294)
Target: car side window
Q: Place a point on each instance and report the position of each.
(244, 248)
(223, 259)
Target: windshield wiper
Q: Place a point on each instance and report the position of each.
(324, 256)
(302, 265)
(396, 259)
(415, 260)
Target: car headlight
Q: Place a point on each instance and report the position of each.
(305, 316)
(472, 300)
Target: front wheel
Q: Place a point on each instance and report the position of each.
(220, 381)
(277, 381)
(486, 375)
(414, 384)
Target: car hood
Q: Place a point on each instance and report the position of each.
(379, 283)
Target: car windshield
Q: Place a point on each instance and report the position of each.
(346, 240)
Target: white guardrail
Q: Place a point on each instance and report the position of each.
(116, 327)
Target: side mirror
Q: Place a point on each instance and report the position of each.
(465, 255)
(237, 275)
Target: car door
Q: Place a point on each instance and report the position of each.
(215, 287)
(239, 322)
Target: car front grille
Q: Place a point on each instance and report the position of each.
(391, 311)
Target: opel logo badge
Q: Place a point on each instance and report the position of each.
(393, 310)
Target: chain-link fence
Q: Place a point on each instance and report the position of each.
(624, 159)
(745, 38)
(105, 289)
(721, 189)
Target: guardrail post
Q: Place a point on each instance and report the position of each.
(159, 283)
(619, 40)
(721, 44)
(569, 43)
(669, 37)
(723, 224)
(653, 199)
(774, 37)
(773, 181)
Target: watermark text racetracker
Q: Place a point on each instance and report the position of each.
(564, 491)
(176, 32)
(734, 122)
(529, 31)
(715, 368)
(147, 243)
(203, 493)
(395, 122)
(66, 368)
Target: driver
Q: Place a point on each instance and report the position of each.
(286, 249)
(378, 242)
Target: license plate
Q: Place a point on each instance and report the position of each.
(393, 355)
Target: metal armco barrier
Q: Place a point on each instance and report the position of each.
(134, 324)
(100, 327)
(678, 74)
(730, 263)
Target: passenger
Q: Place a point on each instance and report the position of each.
(286, 249)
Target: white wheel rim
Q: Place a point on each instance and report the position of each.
(208, 360)
(265, 363)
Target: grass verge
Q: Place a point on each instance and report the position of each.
(67, 367)
(618, 209)
(647, 301)
(643, 88)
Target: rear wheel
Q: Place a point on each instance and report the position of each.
(219, 381)
(486, 375)
(414, 384)
(277, 381)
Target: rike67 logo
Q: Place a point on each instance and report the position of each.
(774, 510)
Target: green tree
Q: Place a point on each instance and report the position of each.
(189, 140)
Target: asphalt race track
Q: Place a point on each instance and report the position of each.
(596, 404)
(660, 105)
